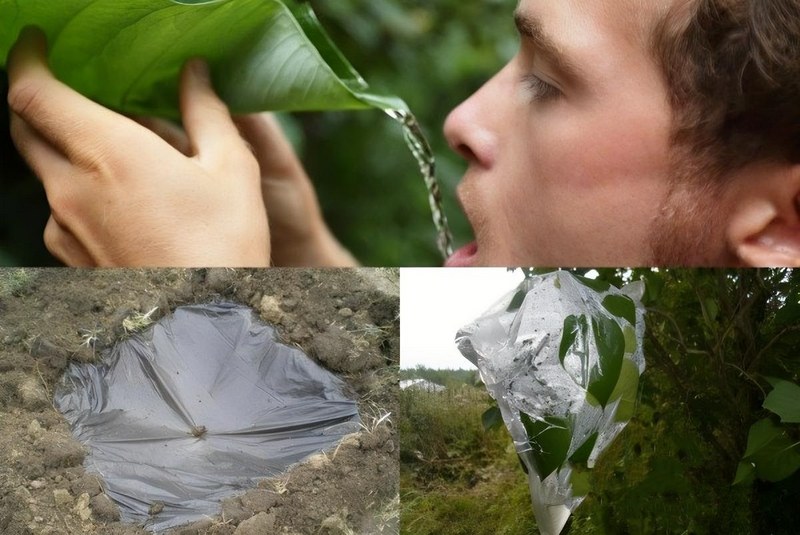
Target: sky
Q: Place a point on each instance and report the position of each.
(436, 302)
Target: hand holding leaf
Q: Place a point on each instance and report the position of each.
(120, 194)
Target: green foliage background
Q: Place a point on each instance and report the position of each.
(713, 338)
(432, 53)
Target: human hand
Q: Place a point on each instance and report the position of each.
(300, 236)
(119, 194)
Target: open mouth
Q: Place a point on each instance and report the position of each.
(464, 257)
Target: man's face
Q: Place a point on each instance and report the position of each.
(568, 146)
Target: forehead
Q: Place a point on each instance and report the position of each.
(583, 26)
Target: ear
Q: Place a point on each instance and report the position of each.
(764, 227)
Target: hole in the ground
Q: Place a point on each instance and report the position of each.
(200, 406)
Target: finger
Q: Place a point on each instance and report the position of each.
(168, 131)
(46, 162)
(207, 121)
(64, 246)
(270, 145)
(64, 117)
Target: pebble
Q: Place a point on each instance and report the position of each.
(104, 508)
(82, 507)
(345, 312)
(271, 310)
(258, 525)
(88, 483)
(62, 497)
(34, 398)
(21, 493)
(37, 484)
(35, 429)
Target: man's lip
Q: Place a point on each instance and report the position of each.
(464, 257)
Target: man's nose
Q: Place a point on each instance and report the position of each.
(471, 129)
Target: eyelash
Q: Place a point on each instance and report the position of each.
(541, 90)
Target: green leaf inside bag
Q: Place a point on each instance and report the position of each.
(549, 439)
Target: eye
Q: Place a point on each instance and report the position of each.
(540, 89)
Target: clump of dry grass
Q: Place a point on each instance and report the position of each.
(138, 321)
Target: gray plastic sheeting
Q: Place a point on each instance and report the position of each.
(543, 350)
(201, 405)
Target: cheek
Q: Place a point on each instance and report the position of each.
(600, 153)
(590, 185)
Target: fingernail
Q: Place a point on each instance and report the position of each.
(33, 36)
(200, 69)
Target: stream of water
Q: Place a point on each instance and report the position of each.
(427, 165)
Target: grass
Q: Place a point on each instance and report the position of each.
(14, 281)
(373, 418)
(138, 321)
(457, 478)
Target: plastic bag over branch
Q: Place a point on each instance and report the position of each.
(203, 404)
(562, 356)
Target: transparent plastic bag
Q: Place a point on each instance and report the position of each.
(562, 356)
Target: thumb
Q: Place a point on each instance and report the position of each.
(206, 119)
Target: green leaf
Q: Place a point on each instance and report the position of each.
(594, 284)
(610, 344)
(581, 455)
(777, 460)
(784, 401)
(549, 440)
(654, 284)
(492, 418)
(580, 482)
(630, 339)
(761, 433)
(574, 327)
(745, 473)
(769, 448)
(621, 306)
(263, 54)
(516, 301)
(712, 309)
(626, 390)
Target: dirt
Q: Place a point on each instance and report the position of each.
(347, 320)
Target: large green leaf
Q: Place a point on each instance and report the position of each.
(263, 54)
(770, 451)
(761, 433)
(610, 342)
(576, 329)
(777, 460)
(582, 454)
(549, 440)
(621, 306)
(625, 390)
(784, 400)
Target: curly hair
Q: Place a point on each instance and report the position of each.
(732, 69)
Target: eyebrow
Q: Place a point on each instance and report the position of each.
(530, 28)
